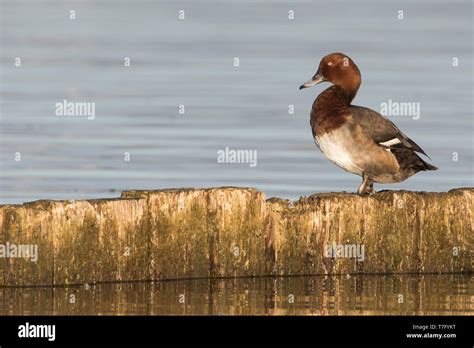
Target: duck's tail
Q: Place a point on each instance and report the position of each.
(428, 166)
(410, 163)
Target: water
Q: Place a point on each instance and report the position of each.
(356, 295)
(190, 62)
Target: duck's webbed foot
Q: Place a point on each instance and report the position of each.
(367, 186)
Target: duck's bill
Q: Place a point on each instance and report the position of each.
(318, 78)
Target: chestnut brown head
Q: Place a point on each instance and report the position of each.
(340, 70)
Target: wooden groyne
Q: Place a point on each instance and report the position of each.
(228, 231)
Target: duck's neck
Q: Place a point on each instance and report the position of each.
(350, 88)
(329, 111)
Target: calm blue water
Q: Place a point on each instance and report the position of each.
(190, 62)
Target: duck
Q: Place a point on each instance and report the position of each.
(357, 139)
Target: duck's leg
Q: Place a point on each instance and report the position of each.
(370, 187)
(367, 185)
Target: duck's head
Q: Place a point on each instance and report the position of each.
(340, 70)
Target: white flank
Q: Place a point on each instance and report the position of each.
(335, 147)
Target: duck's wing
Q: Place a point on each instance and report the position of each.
(382, 130)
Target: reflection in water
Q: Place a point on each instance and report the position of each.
(356, 295)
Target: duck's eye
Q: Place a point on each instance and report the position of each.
(330, 63)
